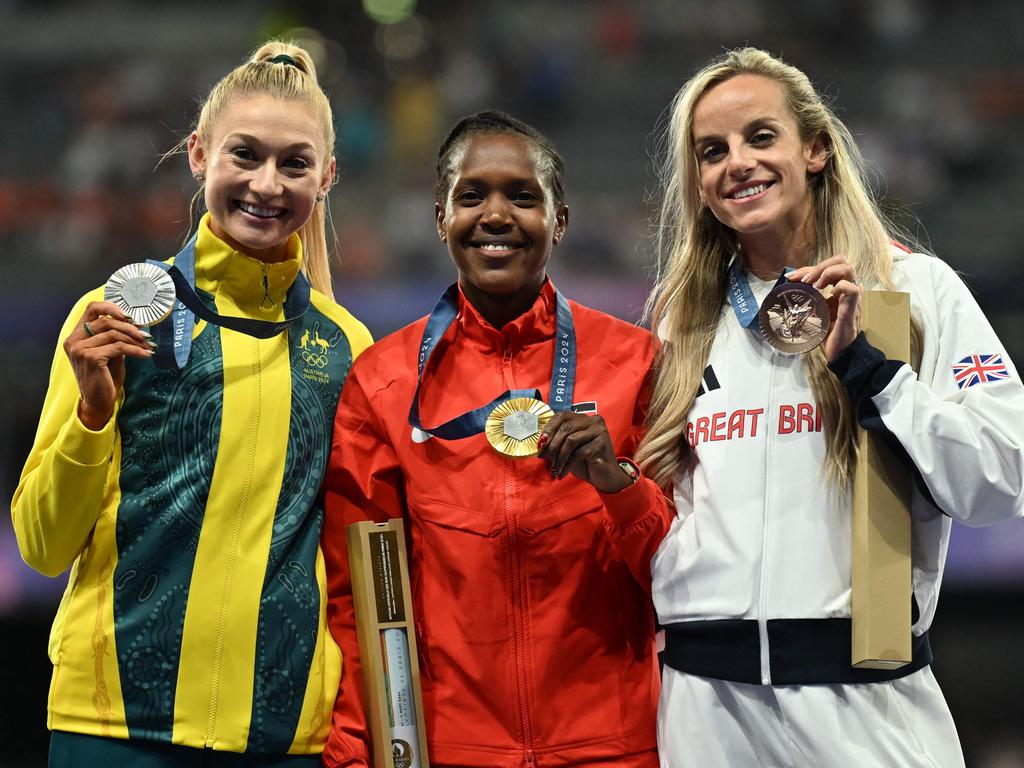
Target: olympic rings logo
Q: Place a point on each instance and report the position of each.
(314, 358)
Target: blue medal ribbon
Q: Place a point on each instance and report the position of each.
(563, 369)
(741, 297)
(174, 339)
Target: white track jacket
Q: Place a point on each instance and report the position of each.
(752, 580)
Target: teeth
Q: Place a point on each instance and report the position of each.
(749, 191)
(255, 210)
(496, 247)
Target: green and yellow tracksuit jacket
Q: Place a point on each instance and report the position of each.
(194, 613)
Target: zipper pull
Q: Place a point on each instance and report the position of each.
(528, 758)
(267, 302)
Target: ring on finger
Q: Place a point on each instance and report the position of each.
(88, 329)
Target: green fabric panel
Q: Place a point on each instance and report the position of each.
(290, 602)
(170, 429)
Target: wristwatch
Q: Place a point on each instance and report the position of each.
(631, 469)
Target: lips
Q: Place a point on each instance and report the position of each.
(260, 211)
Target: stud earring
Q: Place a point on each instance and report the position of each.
(198, 176)
(320, 197)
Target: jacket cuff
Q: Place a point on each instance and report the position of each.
(84, 446)
(633, 504)
(864, 371)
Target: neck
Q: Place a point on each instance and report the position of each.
(767, 253)
(497, 309)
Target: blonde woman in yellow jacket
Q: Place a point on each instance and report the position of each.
(178, 478)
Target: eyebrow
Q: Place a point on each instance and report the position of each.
(297, 146)
(515, 182)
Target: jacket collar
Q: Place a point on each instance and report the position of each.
(221, 269)
(536, 324)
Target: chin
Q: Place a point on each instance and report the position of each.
(260, 241)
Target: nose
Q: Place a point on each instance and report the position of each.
(497, 212)
(741, 161)
(265, 181)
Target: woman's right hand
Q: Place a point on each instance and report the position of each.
(97, 348)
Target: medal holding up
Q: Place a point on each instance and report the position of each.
(498, 427)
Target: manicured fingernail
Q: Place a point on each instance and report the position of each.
(145, 333)
(152, 344)
(542, 440)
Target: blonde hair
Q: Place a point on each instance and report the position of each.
(292, 78)
(694, 249)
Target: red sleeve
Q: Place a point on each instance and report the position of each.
(639, 516)
(363, 482)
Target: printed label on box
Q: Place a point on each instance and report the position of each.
(387, 586)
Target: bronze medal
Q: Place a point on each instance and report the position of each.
(794, 317)
(513, 428)
(144, 292)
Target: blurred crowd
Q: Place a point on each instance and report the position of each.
(83, 188)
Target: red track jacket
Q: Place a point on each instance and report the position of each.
(536, 640)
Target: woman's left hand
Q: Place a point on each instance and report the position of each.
(577, 443)
(844, 305)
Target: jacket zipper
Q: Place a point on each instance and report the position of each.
(267, 302)
(518, 587)
(762, 613)
(518, 612)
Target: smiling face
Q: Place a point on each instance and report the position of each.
(499, 221)
(265, 161)
(753, 164)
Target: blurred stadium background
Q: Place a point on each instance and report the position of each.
(96, 91)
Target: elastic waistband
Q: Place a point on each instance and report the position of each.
(800, 652)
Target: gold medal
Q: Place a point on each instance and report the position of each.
(144, 292)
(513, 428)
(794, 317)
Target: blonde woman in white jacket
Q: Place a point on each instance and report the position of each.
(763, 185)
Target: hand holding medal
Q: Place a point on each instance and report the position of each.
(97, 346)
(577, 443)
(135, 295)
(837, 282)
(808, 306)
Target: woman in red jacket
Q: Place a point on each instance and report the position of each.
(536, 640)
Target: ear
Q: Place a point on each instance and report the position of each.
(561, 223)
(196, 154)
(442, 228)
(816, 154)
(328, 180)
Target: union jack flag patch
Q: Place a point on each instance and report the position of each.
(979, 369)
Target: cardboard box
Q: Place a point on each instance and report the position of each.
(387, 643)
(880, 563)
